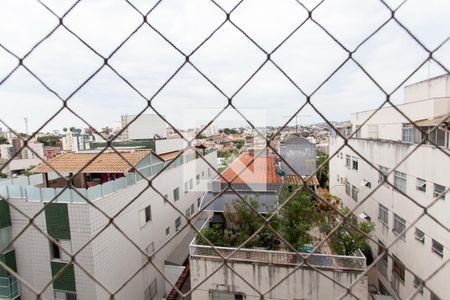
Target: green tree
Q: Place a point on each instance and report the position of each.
(214, 234)
(322, 173)
(245, 219)
(3, 175)
(48, 140)
(347, 239)
(298, 216)
(3, 140)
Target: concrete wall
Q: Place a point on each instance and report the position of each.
(169, 145)
(427, 163)
(144, 127)
(434, 88)
(303, 283)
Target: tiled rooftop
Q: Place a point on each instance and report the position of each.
(108, 162)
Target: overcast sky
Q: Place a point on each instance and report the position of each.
(228, 59)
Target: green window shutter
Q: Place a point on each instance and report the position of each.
(9, 258)
(57, 219)
(66, 281)
(5, 219)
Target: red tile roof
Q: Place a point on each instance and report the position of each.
(260, 171)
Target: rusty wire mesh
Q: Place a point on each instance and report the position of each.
(145, 21)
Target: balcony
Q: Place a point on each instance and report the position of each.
(8, 288)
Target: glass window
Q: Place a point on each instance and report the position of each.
(408, 134)
(55, 252)
(354, 193)
(354, 163)
(421, 185)
(383, 214)
(191, 184)
(437, 248)
(418, 282)
(224, 295)
(186, 187)
(398, 269)
(383, 171)
(148, 214)
(192, 209)
(419, 235)
(347, 161)
(348, 188)
(167, 231)
(197, 179)
(400, 181)
(399, 225)
(198, 202)
(176, 194)
(177, 223)
(438, 191)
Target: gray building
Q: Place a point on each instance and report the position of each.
(299, 154)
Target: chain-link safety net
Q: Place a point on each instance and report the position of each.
(311, 260)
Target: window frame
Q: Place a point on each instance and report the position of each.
(439, 195)
(176, 194)
(383, 211)
(354, 163)
(399, 220)
(177, 224)
(400, 177)
(436, 251)
(355, 192)
(421, 237)
(421, 185)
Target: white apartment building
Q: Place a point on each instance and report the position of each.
(146, 126)
(77, 141)
(25, 159)
(110, 257)
(385, 140)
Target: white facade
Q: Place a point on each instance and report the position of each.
(146, 126)
(382, 142)
(110, 257)
(76, 142)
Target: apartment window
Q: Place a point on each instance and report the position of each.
(383, 262)
(421, 185)
(198, 202)
(177, 223)
(383, 214)
(224, 295)
(347, 161)
(145, 215)
(203, 173)
(354, 193)
(366, 183)
(191, 184)
(419, 235)
(383, 171)
(437, 248)
(399, 226)
(188, 212)
(186, 186)
(197, 179)
(400, 181)
(354, 163)
(438, 190)
(167, 231)
(418, 283)
(151, 290)
(61, 295)
(408, 134)
(176, 194)
(55, 252)
(348, 188)
(192, 209)
(209, 172)
(398, 269)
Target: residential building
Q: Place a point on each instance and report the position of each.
(300, 155)
(23, 158)
(75, 141)
(387, 145)
(146, 126)
(256, 269)
(114, 188)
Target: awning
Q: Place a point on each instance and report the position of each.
(434, 121)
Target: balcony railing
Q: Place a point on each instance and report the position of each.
(8, 288)
(350, 263)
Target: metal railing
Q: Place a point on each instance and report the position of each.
(337, 262)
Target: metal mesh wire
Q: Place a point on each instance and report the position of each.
(228, 255)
